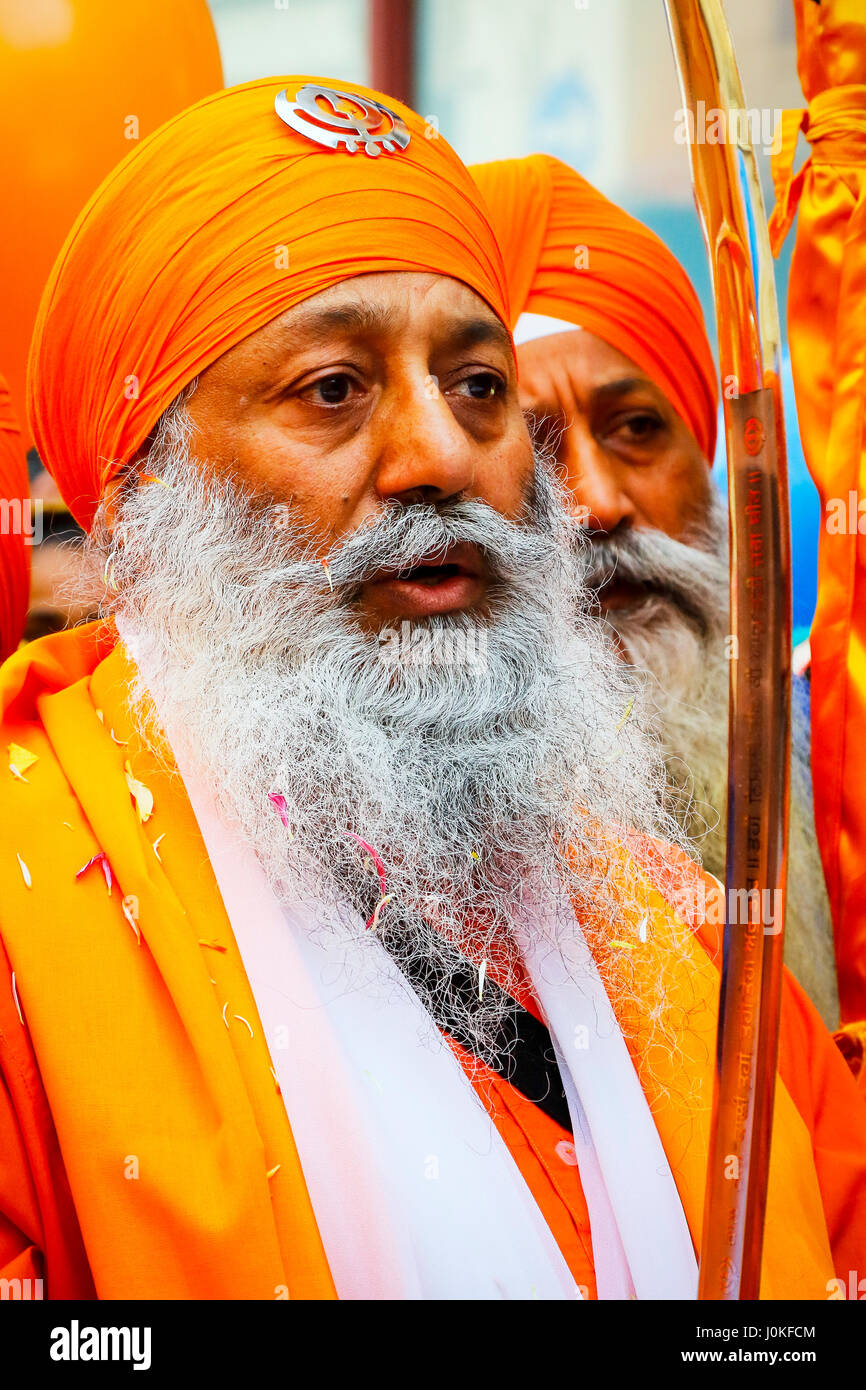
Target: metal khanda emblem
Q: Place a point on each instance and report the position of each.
(318, 113)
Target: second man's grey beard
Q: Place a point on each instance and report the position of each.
(473, 780)
(677, 635)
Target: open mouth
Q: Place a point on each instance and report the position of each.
(614, 592)
(436, 584)
(431, 574)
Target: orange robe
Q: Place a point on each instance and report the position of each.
(144, 1148)
(828, 354)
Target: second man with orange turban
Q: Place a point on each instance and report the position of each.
(617, 371)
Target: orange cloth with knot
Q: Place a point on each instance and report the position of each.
(572, 254)
(826, 294)
(217, 223)
(14, 553)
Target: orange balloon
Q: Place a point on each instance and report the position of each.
(81, 81)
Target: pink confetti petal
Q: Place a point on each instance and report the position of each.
(380, 867)
(280, 803)
(102, 860)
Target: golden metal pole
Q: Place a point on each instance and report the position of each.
(728, 195)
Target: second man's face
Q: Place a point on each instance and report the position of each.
(627, 456)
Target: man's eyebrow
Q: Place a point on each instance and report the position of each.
(621, 386)
(479, 331)
(317, 325)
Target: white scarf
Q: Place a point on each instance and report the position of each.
(415, 1193)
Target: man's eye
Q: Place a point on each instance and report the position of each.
(641, 428)
(483, 386)
(330, 390)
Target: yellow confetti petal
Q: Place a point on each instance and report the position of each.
(131, 919)
(152, 478)
(624, 945)
(142, 797)
(17, 1001)
(272, 1171)
(628, 709)
(25, 872)
(20, 760)
(374, 920)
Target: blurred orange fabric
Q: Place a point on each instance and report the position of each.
(151, 288)
(572, 254)
(14, 553)
(827, 292)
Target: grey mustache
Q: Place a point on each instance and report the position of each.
(423, 534)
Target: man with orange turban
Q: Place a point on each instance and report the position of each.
(617, 371)
(343, 954)
(15, 528)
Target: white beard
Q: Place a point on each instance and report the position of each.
(676, 637)
(470, 778)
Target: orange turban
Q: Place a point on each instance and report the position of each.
(572, 254)
(215, 224)
(14, 556)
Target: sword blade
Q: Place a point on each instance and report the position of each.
(730, 204)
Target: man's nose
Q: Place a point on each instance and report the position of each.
(597, 483)
(424, 455)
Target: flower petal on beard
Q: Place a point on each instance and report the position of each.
(380, 867)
